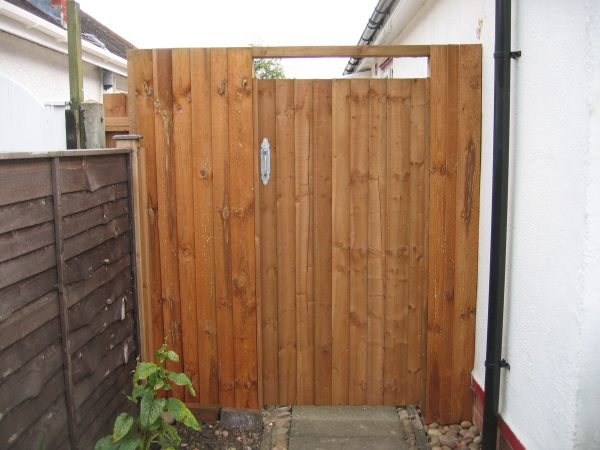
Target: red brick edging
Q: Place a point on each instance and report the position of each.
(507, 440)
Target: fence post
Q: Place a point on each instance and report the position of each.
(62, 300)
(137, 201)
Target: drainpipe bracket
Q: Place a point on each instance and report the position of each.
(502, 364)
(513, 55)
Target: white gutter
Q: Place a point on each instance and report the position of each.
(401, 16)
(23, 24)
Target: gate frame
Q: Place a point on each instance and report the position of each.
(453, 222)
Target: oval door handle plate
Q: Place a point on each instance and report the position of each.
(265, 161)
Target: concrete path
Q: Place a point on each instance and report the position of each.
(346, 427)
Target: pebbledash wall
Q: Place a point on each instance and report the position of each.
(550, 398)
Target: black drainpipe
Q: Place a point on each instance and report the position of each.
(493, 357)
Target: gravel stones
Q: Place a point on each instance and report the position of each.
(463, 436)
(276, 421)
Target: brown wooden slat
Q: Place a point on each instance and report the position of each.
(221, 224)
(85, 220)
(110, 362)
(322, 239)
(75, 202)
(76, 291)
(167, 213)
(24, 180)
(91, 172)
(243, 260)
(16, 356)
(30, 380)
(376, 240)
(24, 417)
(286, 241)
(467, 227)
(303, 180)
(115, 312)
(182, 150)
(117, 124)
(417, 230)
(28, 319)
(141, 107)
(396, 243)
(208, 381)
(115, 104)
(359, 197)
(84, 265)
(51, 426)
(20, 242)
(340, 290)
(265, 93)
(20, 294)
(91, 354)
(85, 309)
(95, 236)
(25, 214)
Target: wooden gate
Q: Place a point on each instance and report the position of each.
(342, 238)
(350, 278)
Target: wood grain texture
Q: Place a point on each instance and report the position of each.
(241, 183)
(141, 117)
(184, 197)
(467, 226)
(286, 241)
(303, 180)
(202, 167)
(322, 240)
(220, 86)
(266, 127)
(167, 212)
(376, 257)
(359, 216)
(340, 199)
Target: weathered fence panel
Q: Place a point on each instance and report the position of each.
(67, 324)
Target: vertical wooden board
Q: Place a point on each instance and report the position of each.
(222, 234)
(467, 227)
(340, 255)
(182, 151)
(359, 214)
(265, 118)
(286, 240)
(376, 244)
(303, 108)
(141, 99)
(322, 239)
(202, 167)
(397, 230)
(167, 201)
(241, 185)
(443, 64)
(418, 110)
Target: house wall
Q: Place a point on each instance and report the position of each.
(44, 72)
(34, 89)
(550, 397)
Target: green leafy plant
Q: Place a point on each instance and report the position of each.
(150, 427)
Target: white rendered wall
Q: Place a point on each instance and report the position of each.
(551, 396)
(44, 72)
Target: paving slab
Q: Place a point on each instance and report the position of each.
(345, 427)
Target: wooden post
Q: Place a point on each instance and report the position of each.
(63, 305)
(75, 69)
(138, 204)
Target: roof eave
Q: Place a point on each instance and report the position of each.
(15, 21)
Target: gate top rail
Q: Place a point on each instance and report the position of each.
(354, 51)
